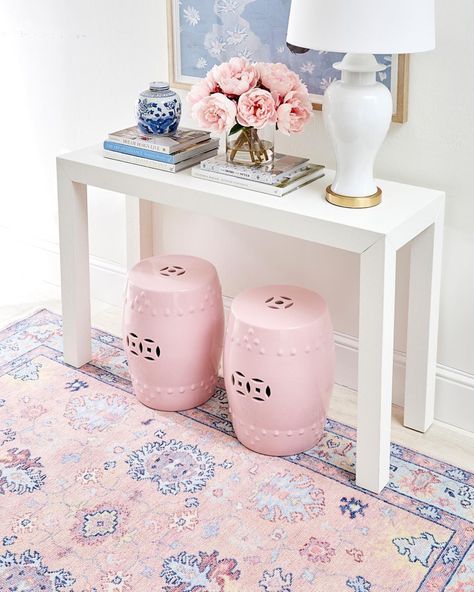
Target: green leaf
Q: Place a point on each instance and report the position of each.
(237, 127)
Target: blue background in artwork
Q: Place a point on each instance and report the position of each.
(207, 24)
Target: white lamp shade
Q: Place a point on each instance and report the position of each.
(363, 26)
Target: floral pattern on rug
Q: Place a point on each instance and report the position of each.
(101, 494)
(288, 497)
(26, 572)
(19, 473)
(173, 466)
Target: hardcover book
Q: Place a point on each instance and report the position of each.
(284, 166)
(169, 144)
(156, 164)
(184, 154)
(303, 177)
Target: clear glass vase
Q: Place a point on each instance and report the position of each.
(251, 147)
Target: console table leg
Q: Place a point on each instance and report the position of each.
(376, 320)
(139, 216)
(423, 312)
(75, 287)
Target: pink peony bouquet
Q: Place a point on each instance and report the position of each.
(250, 95)
(240, 96)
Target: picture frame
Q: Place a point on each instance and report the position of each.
(195, 29)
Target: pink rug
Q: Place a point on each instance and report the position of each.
(98, 493)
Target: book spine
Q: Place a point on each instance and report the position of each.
(156, 147)
(240, 173)
(251, 174)
(134, 151)
(154, 164)
(139, 144)
(201, 173)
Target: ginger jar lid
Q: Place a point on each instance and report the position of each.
(154, 86)
(156, 90)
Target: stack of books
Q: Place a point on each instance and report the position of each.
(171, 153)
(287, 174)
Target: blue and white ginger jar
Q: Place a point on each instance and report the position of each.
(158, 109)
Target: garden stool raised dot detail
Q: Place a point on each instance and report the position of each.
(173, 327)
(279, 368)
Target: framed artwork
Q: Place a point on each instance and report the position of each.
(202, 33)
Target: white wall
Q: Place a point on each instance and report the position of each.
(73, 71)
(69, 73)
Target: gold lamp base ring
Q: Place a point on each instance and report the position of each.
(348, 201)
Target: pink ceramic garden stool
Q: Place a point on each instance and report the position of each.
(279, 368)
(173, 328)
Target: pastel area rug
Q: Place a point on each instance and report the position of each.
(98, 493)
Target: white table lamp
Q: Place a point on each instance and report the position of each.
(357, 109)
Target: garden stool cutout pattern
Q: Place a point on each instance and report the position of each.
(279, 368)
(173, 326)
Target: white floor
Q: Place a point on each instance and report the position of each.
(22, 297)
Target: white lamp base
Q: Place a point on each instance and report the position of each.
(357, 112)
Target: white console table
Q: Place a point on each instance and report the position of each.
(406, 214)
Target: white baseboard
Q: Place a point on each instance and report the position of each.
(454, 388)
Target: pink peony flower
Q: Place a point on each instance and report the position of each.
(236, 76)
(279, 80)
(215, 112)
(199, 90)
(294, 112)
(256, 108)
(300, 87)
(203, 88)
